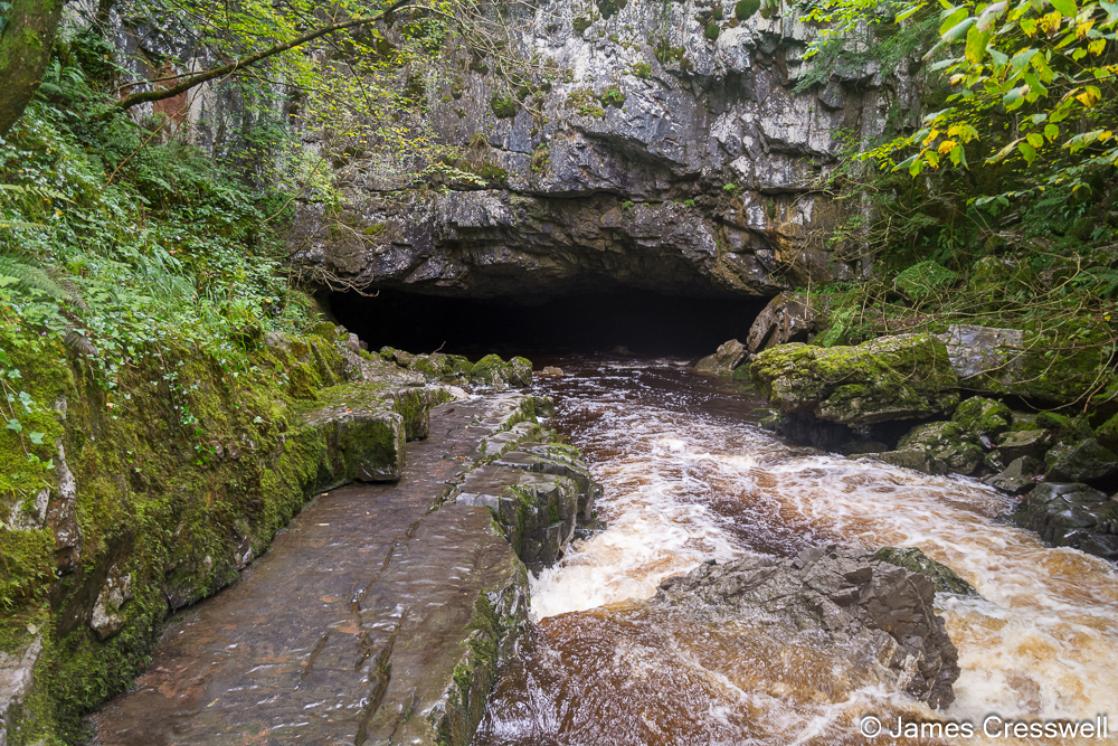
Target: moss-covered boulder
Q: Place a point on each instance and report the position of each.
(1084, 460)
(491, 371)
(495, 372)
(958, 445)
(939, 448)
(365, 435)
(1107, 433)
(1017, 444)
(1030, 364)
(907, 376)
(912, 559)
(982, 418)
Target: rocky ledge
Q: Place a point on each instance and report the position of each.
(871, 609)
(388, 607)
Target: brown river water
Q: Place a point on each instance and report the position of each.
(687, 477)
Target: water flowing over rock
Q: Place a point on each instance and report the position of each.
(850, 600)
(384, 611)
(650, 151)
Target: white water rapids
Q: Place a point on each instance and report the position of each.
(686, 478)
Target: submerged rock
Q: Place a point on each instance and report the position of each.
(838, 597)
(906, 376)
(1072, 515)
(723, 361)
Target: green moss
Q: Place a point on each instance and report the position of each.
(744, 9)
(642, 70)
(608, 8)
(1064, 424)
(912, 559)
(179, 468)
(541, 159)
(979, 416)
(583, 101)
(503, 106)
(581, 23)
(26, 567)
(666, 53)
(1107, 433)
(612, 96)
(899, 377)
(711, 30)
(492, 173)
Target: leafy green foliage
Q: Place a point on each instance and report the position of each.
(998, 209)
(115, 241)
(923, 279)
(504, 107)
(1031, 86)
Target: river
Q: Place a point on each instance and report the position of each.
(689, 477)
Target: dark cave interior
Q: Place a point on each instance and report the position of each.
(620, 319)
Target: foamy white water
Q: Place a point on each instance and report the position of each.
(685, 482)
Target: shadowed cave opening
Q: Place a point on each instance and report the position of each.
(621, 319)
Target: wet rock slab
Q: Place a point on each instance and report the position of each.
(379, 616)
(874, 609)
(539, 493)
(1072, 515)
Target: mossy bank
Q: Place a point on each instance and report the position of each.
(133, 501)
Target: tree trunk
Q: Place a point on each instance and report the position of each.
(25, 45)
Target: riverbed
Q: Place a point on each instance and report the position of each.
(689, 477)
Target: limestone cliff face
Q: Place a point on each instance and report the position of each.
(665, 146)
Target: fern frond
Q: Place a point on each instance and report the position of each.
(34, 278)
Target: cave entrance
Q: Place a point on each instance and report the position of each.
(620, 320)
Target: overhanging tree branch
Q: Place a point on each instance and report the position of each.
(159, 94)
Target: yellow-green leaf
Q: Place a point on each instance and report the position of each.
(1066, 7)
